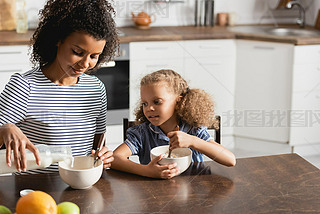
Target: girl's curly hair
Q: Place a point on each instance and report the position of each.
(60, 18)
(195, 107)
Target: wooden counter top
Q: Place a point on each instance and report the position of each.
(174, 33)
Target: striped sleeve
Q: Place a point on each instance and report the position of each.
(14, 100)
(102, 118)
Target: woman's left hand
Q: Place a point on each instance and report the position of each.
(105, 155)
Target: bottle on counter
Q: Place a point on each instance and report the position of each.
(22, 20)
(48, 156)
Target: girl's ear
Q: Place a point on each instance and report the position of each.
(178, 101)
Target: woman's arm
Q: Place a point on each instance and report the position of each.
(153, 169)
(210, 148)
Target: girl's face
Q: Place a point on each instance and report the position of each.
(78, 53)
(159, 104)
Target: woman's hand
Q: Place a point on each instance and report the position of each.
(16, 141)
(156, 170)
(105, 155)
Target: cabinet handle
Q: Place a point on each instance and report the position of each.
(209, 47)
(215, 63)
(157, 48)
(16, 52)
(13, 70)
(152, 66)
(263, 48)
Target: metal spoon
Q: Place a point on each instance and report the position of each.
(99, 147)
(169, 153)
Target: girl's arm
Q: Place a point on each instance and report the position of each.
(210, 148)
(153, 169)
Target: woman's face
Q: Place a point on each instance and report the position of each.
(78, 53)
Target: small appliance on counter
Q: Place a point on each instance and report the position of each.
(204, 13)
(7, 15)
(142, 20)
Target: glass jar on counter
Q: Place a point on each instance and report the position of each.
(21, 15)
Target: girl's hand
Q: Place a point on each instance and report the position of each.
(162, 171)
(179, 139)
(105, 155)
(16, 141)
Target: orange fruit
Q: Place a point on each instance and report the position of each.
(36, 202)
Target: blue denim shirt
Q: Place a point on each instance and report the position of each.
(144, 137)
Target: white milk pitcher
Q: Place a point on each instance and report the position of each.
(48, 154)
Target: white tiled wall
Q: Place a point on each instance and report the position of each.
(175, 14)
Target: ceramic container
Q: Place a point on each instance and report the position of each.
(79, 173)
(183, 161)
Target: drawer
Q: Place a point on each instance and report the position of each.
(139, 68)
(203, 71)
(15, 54)
(306, 77)
(307, 54)
(156, 50)
(14, 68)
(209, 48)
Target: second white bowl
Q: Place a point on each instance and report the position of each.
(183, 160)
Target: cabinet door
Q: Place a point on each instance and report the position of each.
(146, 57)
(15, 54)
(305, 118)
(305, 114)
(210, 65)
(263, 90)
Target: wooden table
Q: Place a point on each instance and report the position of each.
(272, 184)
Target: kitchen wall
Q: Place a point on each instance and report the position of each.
(175, 14)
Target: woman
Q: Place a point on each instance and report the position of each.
(57, 103)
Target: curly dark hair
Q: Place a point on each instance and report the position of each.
(196, 107)
(60, 18)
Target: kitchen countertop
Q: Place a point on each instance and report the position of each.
(174, 33)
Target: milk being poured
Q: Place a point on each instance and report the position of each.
(48, 156)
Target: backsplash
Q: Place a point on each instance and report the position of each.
(180, 14)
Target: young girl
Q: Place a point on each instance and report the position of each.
(57, 103)
(170, 113)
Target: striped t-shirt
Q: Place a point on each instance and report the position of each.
(52, 114)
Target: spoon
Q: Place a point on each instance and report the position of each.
(169, 153)
(99, 147)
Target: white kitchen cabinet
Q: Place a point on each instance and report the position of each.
(14, 59)
(205, 64)
(263, 90)
(146, 57)
(305, 104)
(210, 65)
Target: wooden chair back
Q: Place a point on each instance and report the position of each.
(127, 124)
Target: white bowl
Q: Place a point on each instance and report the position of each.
(183, 161)
(79, 172)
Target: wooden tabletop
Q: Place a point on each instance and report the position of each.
(271, 184)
